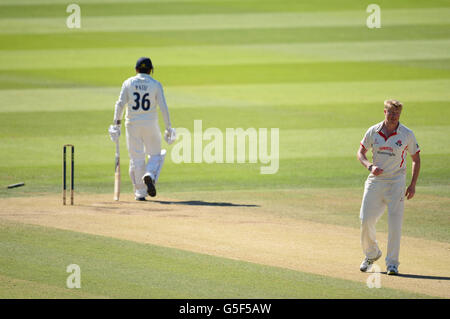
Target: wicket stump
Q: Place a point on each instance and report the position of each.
(71, 173)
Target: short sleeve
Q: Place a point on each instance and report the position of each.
(413, 146)
(366, 142)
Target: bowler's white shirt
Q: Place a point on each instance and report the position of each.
(389, 152)
(142, 94)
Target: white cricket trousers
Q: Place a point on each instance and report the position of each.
(377, 195)
(143, 141)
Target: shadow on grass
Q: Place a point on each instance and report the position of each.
(203, 203)
(419, 276)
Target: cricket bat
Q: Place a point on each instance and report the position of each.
(117, 173)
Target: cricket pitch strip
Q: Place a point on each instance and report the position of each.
(238, 231)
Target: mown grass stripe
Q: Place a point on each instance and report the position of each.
(228, 54)
(237, 74)
(78, 40)
(295, 173)
(260, 95)
(42, 127)
(394, 17)
(113, 8)
(294, 143)
(156, 8)
(105, 2)
(307, 6)
(314, 93)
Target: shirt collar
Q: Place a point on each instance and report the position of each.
(143, 75)
(379, 131)
(381, 125)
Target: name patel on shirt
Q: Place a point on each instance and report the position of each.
(141, 87)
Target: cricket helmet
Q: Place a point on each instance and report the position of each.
(144, 65)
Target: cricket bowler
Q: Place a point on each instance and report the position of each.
(141, 93)
(390, 141)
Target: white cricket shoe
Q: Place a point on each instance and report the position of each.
(368, 262)
(392, 270)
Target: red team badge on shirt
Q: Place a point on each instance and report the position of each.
(399, 143)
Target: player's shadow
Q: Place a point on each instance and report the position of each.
(419, 276)
(203, 203)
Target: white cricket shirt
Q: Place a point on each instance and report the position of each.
(389, 152)
(142, 94)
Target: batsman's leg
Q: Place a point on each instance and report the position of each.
(137, 159)
(137, 169)
(152, 141)
(154, 165)
(162, 157)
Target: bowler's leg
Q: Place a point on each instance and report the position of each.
(372, 208)
(396, 205)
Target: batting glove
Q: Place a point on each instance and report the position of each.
(169, 135)
(114, 132)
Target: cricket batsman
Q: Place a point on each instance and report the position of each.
(141, 93)
(390, 141)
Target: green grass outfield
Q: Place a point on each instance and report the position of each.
(310, 68)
